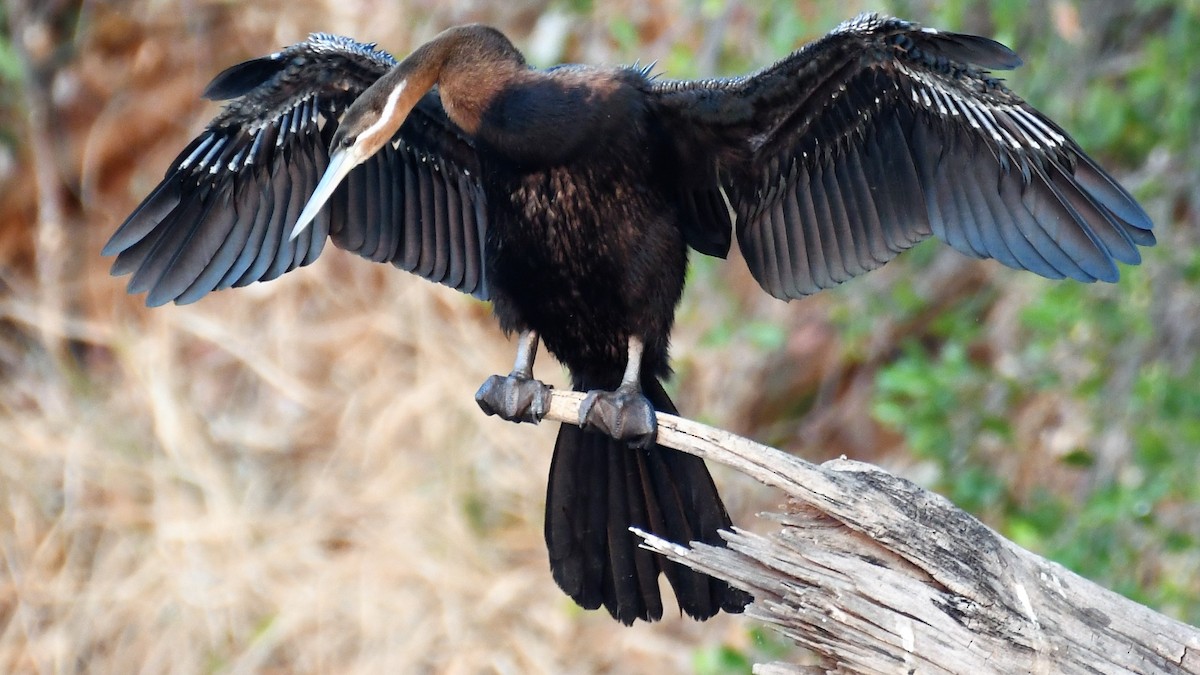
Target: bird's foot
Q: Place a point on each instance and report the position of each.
(515, 398)
(625, 414)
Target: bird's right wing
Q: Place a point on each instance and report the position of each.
(222, 214)
(884, 133)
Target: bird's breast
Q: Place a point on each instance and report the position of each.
(587, 256)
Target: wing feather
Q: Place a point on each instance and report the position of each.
(429, 228)
(159, 258)
(457, 243)
(204, 240)
(776, 256)
(441, 219)
(884, 133)
(802, 273)
(810, 226)
(272, 230)
(262, 214)
(222, 214)
(874, 242)
(413, 228)
(231, 244)
(366, 197)
(388, 175)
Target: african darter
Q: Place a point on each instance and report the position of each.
(569, 198)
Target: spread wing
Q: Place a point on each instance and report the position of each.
(222, 214)
(882, 134)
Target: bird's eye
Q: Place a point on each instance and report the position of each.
(348, 141)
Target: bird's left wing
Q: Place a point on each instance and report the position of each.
(884, 133)
(222, 214)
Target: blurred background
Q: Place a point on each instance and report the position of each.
(294, 477)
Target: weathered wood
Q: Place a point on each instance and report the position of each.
(875, 575)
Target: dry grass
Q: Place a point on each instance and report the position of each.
(294, 478)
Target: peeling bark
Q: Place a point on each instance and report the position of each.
(874, 574)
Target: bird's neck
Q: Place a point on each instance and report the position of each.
(470, 65)
(469, 88)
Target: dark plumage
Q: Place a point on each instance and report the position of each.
(569, 197)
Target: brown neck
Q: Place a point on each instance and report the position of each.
(388, 102)
(480, 63)
(469, 64)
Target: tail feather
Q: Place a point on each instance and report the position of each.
(600, 487)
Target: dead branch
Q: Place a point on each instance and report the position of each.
(873, 574)
(28, 26)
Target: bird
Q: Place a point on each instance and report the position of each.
(570, 198)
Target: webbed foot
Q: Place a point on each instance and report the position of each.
(514, 398)
(625, 414)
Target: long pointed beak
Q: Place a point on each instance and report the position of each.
(340, 164)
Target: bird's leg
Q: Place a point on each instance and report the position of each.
(625, 414)
(518, 397)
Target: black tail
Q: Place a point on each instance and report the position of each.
(600, 487)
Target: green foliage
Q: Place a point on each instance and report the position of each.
(625, 34)
(10, 65)
(1131, 526)
(11, 83)
(764, 646)
(948, 407)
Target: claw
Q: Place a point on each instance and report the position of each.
(625, 414)
(514, 398)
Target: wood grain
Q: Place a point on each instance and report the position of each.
(874, 574)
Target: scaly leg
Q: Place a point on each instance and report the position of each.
(518, 397)
(625, 414)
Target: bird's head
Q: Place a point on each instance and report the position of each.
(458, 58)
